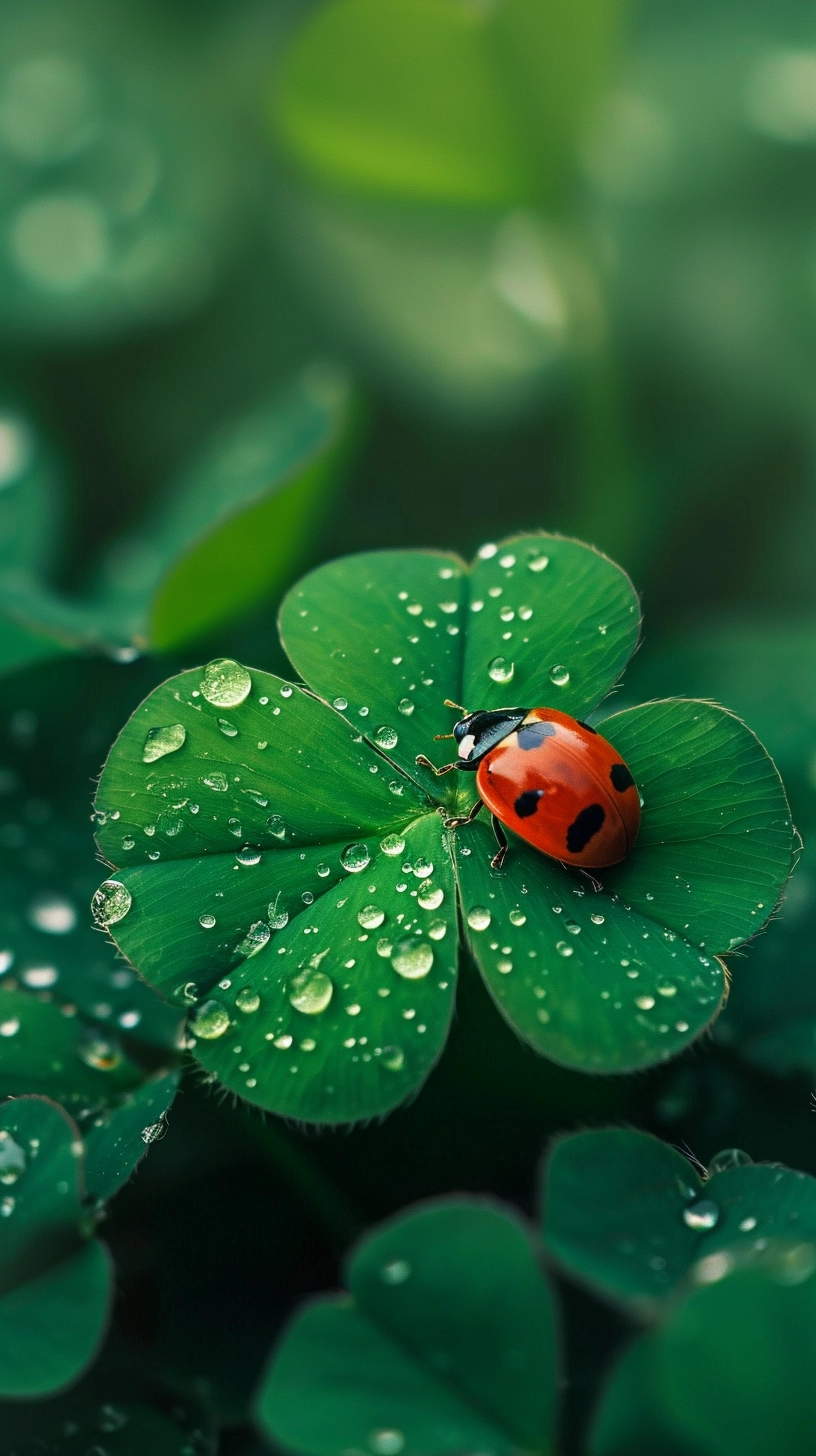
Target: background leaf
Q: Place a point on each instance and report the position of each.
(631, 1217)
(118, 1138)
(55, 1287)
(448, 1342)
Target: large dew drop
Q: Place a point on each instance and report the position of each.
(703, 1213)
(247, 1000)
(311, 991)
(211, 1020)
(393, 844)
(111, 902)
(386, 737)
(559, 675)
(225, 683)
(478, 917)
(430, 896)
(355, 857)
(729, 1158)
(501, 670)
(371, 917)
(161, 741)
(412, 959)
(254, 940)
(12, 1159)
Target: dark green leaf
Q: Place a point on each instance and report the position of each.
(447, 1344)
(55, 1285)
(47, 1050)
(112, 1410)
(630, 1420)
(630, 1216)
(118, 1138)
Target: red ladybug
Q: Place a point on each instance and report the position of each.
(552, 780)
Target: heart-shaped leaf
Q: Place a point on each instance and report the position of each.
(767, 672)
(55, 1281)
(729, 1374)
(246, 796)
(631, 1217)
(446, 1343)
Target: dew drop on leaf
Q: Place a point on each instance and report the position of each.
(53, 914)
(478, 917)
(276, 826)
(228, 729)
(393, 1057)
(355, 857)
(10, 1026)
(412, 959)
(385, 948)
(423, 868)
(225, 683)
(278, 919)
(500, 670)
(559, 675)
(210, 1021)
(518, 917)
(340, 704)
(562, 948)
(438, 929)
(405, 706)
(247, 1000)
(430, 896)
(12, 1159)
(254, 940)
(371, 917)
(729, 1158)
(206, 921)
(393, 844)
(386, 737)
(248, 856)
(537, 562)
(98, 1052)
(703, 1213)
(396, 1271)
(311, 991)
(111, 902)
(217, 781)
(161, 741)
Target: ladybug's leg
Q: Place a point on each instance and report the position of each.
(596, 884)
(501, 839)
(424, 762)
(465, 819)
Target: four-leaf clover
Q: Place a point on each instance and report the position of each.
(283, 869)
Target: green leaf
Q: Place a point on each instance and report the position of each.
(434, 101)
(113, 1406)
(585, 980)
(766, 670)
(716, 830)
(232, 526)
(119, 1137)
(730, 1372)
(56, 722)
(446, 1343)
(631, 1217)
(55, 1285)
(43, 1049)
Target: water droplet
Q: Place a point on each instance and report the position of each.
(559, 676)
(562, 948)
(225, 683)
(248, 856)
(307, 897)
(154, 1131)
(97, 1052)
(507, 560)
(371, 917)
(412, 959)
(537, 562)
(278, 919)
(703, 1213)
(161, 741)
(276, 826)
(385, 948)
(572, 927)
(235, 827)
(10, 1026)
(430, 896)
(393, 844)
(286, 691)
(501, 670)
(386, 737)
(7, 1206)
(210, 1021)
(311, 991)
(644, 1003)
(597, 919)
(507, 614)
(247, 1000)
(228, 729)
(729, 1158)
(355, 857)
(254, 940)
(747, 1224)
(525, 613)
(206, 921)
(438, 929)
(396, 1271)
(12, 1159)
(340, 704)
(111, 902)
(217, 781)
(39, 978)
(405, 706)
(393, 1057)
(423, 868)
(323, 871)
(478, 918)
(53, 914)
(517, 917)
(487, 551)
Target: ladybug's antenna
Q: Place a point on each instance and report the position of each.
(443, 735)
(458, 706)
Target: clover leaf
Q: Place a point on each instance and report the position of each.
(282, 866)
(632, 1218)
(55, 1279)
(728, 1374)
(446, 1342)
(115, 1409)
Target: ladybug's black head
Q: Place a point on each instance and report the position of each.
(477, 733)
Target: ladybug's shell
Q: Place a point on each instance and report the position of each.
(563, 788)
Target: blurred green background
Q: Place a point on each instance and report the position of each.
(283, 279)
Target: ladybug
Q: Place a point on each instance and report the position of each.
(551, 779)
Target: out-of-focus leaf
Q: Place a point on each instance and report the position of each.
(447, 1343)
(64, 1056)
(119, 1137)
(55, 1281)
(112, 1410)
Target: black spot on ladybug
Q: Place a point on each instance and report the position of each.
(527, 803)
(532, 735)
(621, 777)
(583, 827)
(588, 726)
